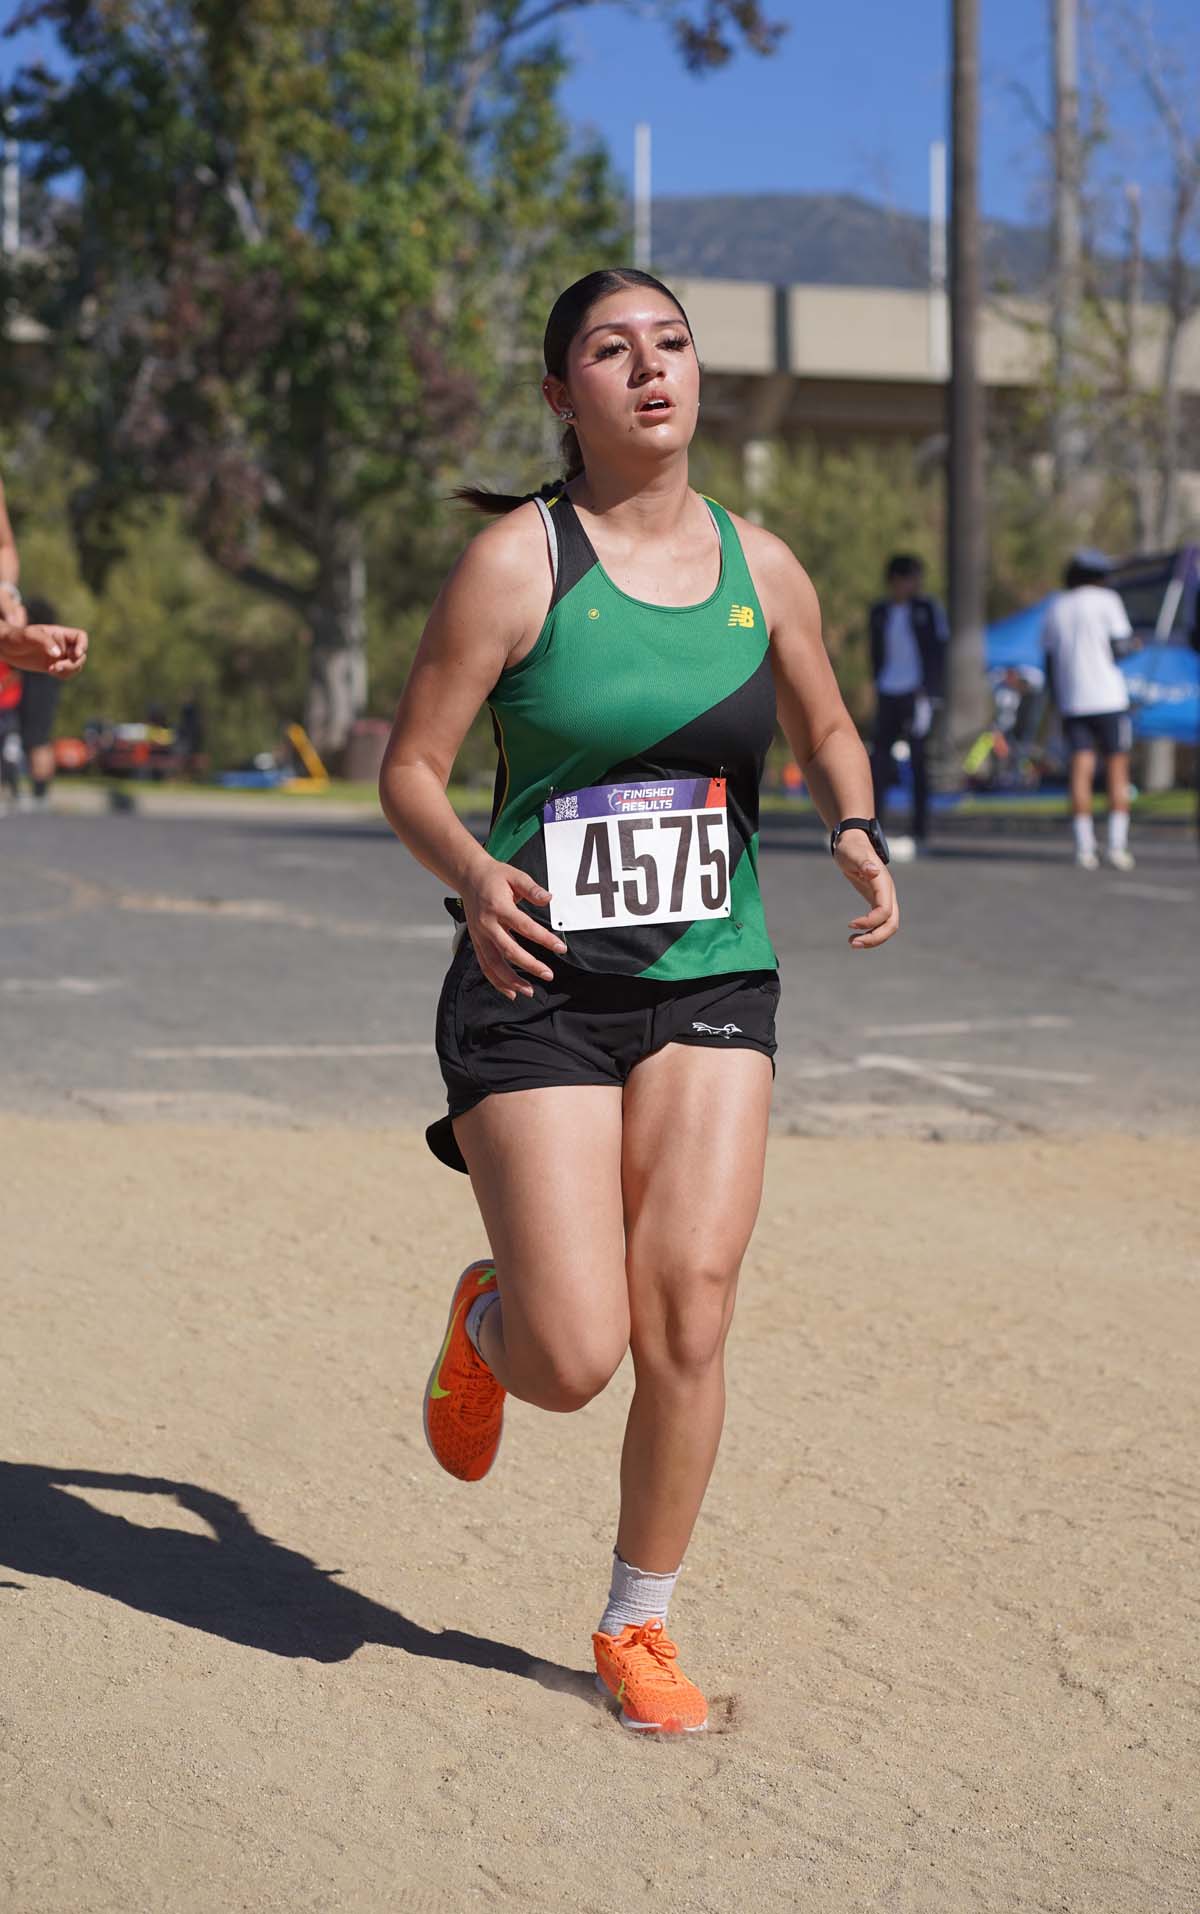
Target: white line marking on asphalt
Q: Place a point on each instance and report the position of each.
(184, 1106)
(965, 1027)
(1025, 1072)
(61, 986)
(942, 1079)
(253, 1052)
(1163, 893)
(263, 910)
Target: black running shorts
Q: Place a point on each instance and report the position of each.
(1106, 732)
(582, 1028)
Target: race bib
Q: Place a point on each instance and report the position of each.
(637, 854)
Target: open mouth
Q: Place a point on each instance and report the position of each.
(657, 405)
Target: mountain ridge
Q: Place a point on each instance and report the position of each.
(830, 239)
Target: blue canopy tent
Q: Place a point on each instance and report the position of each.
(1163, 679)
(1017, 640)
(1164, 689)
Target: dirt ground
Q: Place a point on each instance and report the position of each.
(259, 1654)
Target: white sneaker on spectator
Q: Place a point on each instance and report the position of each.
(1087, 860)
(1121, 860)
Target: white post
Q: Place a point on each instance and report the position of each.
(757, 460)
(939, 311)
(1067, 426)
(12, 197)
(1159, 762)
(641, 195)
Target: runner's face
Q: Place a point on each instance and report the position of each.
(633, 379)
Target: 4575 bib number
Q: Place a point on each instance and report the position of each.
(638, 854)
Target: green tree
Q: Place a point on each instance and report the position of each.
(167, 625)
(312, 236)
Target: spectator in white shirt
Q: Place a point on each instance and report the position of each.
(908, 652)
(1084, 626)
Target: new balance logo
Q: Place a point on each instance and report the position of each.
(718, 1029)
(742, 615)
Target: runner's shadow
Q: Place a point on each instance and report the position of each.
(236, 1583)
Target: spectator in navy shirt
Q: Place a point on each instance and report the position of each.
(908, 663)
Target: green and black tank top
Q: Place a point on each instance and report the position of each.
(617, 691)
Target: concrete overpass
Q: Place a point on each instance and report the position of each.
(846, 362)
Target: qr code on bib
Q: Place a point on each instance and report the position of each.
(565, 808)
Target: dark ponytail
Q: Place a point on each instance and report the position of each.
(571, 308)
(497, 503)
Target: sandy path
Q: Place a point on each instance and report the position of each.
(945, 1585)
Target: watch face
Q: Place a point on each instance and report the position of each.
(879, 840)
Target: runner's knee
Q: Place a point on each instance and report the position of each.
(561, 1367)
(681, 1331)
(568, 1376)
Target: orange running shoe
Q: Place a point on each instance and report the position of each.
(637, 1667)
(464, 1404)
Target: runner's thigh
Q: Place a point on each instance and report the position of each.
(695, 1135)
(546, 1170)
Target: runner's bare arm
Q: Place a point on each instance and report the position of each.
(12, 611)
(817, 725)
(487, 615)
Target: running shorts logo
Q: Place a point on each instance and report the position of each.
(725, 1030)
(743, 616)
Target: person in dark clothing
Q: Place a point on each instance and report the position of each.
(39, 702)
(190, 736)
(908, 633)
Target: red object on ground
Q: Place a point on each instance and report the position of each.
(71, 754)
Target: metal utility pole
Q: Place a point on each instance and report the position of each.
(939, 335)
(966, 523)
(1068, 246)
(641, 195)
(11, 216)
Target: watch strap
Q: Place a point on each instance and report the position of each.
(874, 832)
(850, 824)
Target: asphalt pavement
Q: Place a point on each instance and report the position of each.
(282, 966)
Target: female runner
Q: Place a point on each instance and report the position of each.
(607, 1026)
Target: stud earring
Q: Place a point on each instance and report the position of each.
(566, 415)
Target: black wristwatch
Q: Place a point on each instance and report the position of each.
(873, 829)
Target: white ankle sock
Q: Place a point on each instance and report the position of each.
(475, 1315)
(1085, 836)
(1118, 830)
(635, 1596)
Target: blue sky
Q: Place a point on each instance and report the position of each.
(849, 104)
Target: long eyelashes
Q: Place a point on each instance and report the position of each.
(678, 343)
